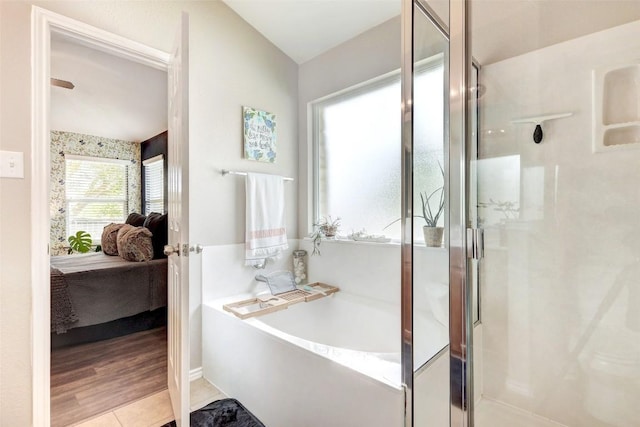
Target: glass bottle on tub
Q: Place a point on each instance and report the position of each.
(300, 266)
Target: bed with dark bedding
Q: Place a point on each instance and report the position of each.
(96, 296)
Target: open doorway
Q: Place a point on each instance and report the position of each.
(175, 66)
(108, 165)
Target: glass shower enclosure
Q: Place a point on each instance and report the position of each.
(558, 198)
(540, 146)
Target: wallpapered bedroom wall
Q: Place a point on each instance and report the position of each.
(85, 145)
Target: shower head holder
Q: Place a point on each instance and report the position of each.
(538, 135)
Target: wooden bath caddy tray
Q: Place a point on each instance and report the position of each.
(265, 304)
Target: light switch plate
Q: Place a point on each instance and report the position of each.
(11, 164)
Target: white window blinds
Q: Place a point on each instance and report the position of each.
(96, 194)
(154, 185)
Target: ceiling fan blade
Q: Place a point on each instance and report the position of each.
(62, 83)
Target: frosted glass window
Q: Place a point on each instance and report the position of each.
(428, 140)
(358, 152)
(96, 194)
(359, 157)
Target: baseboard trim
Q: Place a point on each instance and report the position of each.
(195, 374)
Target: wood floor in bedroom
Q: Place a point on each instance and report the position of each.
(91, 379)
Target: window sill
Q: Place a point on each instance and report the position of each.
(393, 243)
(347, 241)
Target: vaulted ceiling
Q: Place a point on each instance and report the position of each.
(121, 99)
(303, 29)
(501, 28)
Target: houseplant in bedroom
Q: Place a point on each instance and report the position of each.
(80, 242)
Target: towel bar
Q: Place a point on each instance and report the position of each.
(228, 172)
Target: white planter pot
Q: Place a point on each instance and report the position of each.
(433, 236)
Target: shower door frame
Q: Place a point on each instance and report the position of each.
(461, 321)
(456, 185)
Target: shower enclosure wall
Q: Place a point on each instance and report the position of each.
(560, 289)
(542, 153)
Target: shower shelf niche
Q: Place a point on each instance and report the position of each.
(616, 108)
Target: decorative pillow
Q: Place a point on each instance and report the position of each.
(121, 232)
(135, 219)
(135, 244)
(110, 239)
(158, 224)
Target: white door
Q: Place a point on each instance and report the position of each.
(178, 248)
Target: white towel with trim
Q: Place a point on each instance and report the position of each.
(266, 236)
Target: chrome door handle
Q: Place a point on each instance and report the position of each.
(170, 250)
(475, 243)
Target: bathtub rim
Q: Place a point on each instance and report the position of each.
(368, 371)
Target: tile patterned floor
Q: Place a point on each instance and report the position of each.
(154, 410)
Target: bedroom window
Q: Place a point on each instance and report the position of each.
(96, 193)
(154, 184)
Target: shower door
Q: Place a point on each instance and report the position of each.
(551, 175)
(557, 194)
(436, 296)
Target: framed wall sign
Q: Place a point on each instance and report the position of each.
(259, 135)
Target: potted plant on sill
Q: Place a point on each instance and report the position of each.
(325, 227)
(432, 233)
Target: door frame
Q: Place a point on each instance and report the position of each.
(460, 293)
(43, 24)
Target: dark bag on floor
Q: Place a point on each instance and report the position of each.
(223, 413)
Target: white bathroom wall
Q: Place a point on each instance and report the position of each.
(372, 270)
(560, 289)
(364, 269)
(231, 65)
(369, 270)
(224, 273)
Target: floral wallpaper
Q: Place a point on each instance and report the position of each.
(85, 145)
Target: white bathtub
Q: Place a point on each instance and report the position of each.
(330, 362)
